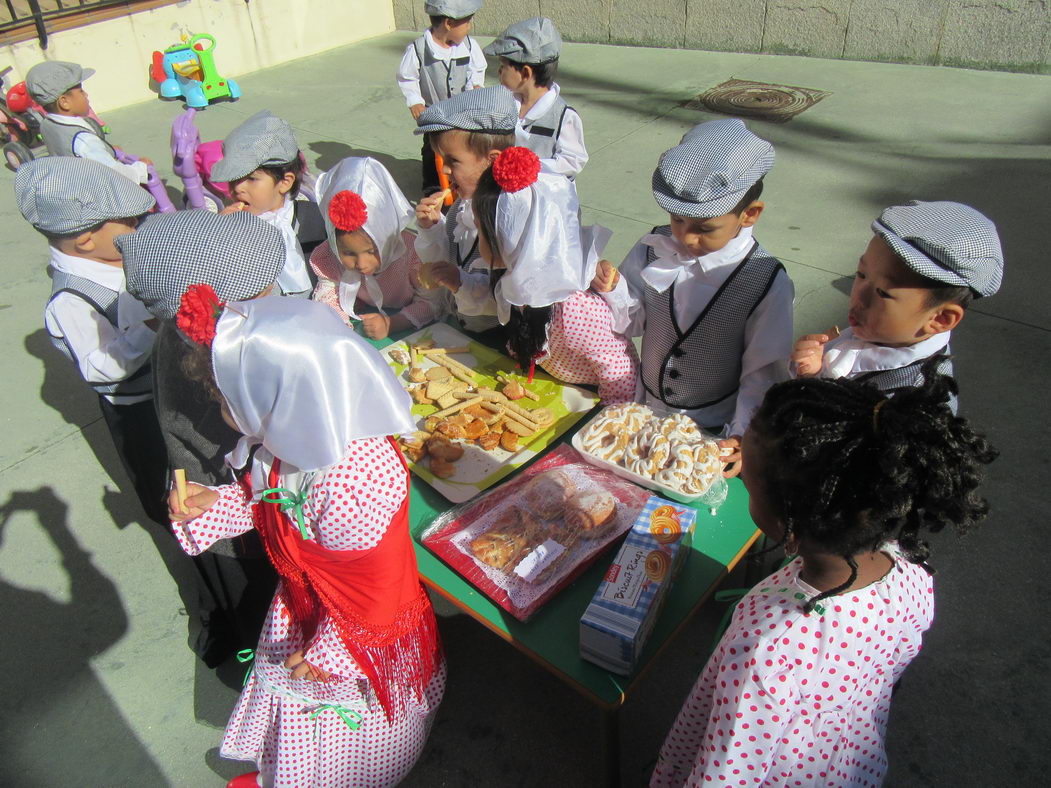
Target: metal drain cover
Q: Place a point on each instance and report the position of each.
(761, 100)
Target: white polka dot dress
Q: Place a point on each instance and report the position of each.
(798, 700)
(287, 726)
(583, 348)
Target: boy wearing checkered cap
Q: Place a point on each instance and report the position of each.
(713, 307)
(263, 167)
(924, 264)
(67, 127)
(82, 207)
(442, 63)
(469, 131)
(547, 125)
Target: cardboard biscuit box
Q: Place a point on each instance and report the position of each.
(615, 626)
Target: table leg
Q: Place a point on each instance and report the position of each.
(611, 747)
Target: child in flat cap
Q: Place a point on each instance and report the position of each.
(68, 128)
(469, 131)
(443, 62)
(547, 125)
(81, 207)
(924, 264)
(265, 170)
(368, 269)
(713, 307)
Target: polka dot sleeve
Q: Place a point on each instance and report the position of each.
(230, 516)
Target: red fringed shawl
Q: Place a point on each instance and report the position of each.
(373, 597)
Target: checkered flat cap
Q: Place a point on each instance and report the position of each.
(263, 139)
(48, 80)
(454, 9)
(491, 110)
(63, 195)
(945, 241)
(533, 41)
(710, 170)
(238, 254)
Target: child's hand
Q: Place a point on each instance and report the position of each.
(376, 325)
(606, 277)
(808, 353)
(417, 110)
(447, 275)
(235, 207)
(429, 210)
(147, 162)
(198, 501)
(733, 457)
(301, 669)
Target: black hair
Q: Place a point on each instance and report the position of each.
(437, 19)
(56, 237)
(196, 364)
(939, 293)
(543, 73)
(755, 191)
(847, 469)
(279, 171)
(483, 203)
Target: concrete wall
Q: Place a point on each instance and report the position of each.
(249, 36)
(1010, 35)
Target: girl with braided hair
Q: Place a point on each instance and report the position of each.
(798, 690)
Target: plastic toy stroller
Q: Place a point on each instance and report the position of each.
(188, 69)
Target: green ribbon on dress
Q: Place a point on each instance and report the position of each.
(289, 500)
(243, 656)
(350, 717)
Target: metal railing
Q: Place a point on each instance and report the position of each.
(21, 13)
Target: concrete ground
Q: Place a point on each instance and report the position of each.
(99, 686)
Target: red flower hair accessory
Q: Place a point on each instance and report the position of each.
(198, 313)
(347, 211)
(516, 168)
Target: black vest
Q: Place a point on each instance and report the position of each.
(701, 366)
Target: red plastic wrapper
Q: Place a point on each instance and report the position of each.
(524, 541)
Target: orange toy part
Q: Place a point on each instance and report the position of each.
(157, 72)
(443, 179)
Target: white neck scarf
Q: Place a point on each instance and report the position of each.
(293, 277)
(301, 383)
(674, 263)
(843, 355)
(389, 213)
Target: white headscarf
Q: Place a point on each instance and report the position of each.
(300, 382)
(389, 213)
(548, 254)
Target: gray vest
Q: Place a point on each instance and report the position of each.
(892, 381)
(701, 366)
(440, 79)
(104, 301)
(59, 136)
(544, 131)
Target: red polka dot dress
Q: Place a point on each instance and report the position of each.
(800, 700)
(289, 727)
(583, 348)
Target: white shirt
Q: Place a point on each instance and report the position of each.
(92, 146)
(768, 331)
(475, 296)
(846, 356)
(293, 279)
(409, 68)
(102, 353)
(570, 153)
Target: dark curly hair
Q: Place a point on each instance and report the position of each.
(196, 363)
(847, 469)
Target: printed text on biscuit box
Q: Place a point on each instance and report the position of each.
(630, 577)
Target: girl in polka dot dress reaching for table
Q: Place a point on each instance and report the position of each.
(798, 690)
(529, 224)
(348, 671)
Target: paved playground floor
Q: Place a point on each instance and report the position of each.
(99, 686)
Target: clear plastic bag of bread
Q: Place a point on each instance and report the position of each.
(523, 541)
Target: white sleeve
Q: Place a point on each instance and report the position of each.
(768, 342)
(89, 146)
(102, 353)
(625, 300)
(431, 244)
(409, 77)
(475, 297)
(570, 153)
(476, 79)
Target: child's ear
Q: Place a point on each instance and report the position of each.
(750, 215)
(85, 242)
(945, 318)
(493, 155)
(288, 180)
(527, 73)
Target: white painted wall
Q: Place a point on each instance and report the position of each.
(250, 36)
